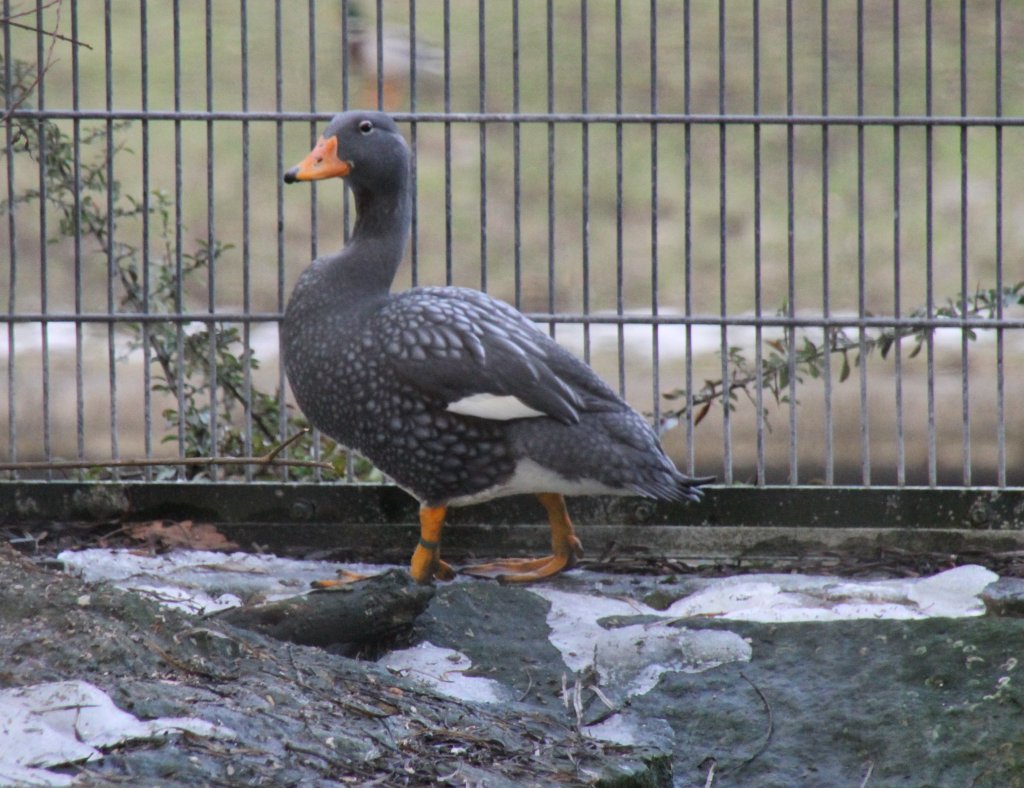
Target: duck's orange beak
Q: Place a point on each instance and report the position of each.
(322, 162)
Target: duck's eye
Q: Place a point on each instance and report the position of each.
(366, 126)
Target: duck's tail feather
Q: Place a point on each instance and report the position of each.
(676, 488)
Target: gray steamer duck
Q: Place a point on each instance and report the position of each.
(456, 396)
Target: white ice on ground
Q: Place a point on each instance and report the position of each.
(444, 670)
(202, 581)
(630, 659)
(780, 598)
(65, 722)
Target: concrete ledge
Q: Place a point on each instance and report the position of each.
(380, 520)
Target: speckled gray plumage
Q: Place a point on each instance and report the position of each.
(377, 371)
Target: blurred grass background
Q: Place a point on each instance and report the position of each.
(808, 64)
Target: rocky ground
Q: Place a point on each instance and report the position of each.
(593, 678)
(298, 715)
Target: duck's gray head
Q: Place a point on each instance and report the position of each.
(364, 147)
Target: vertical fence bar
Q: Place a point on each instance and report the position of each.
(482, 136)
(791, 246)
(378, 33)
(44, 263)
(517, 192)
(585, 175)
(346, 26)
(688, 238)
(247, 426)
(723, 250)
(897, 277)
(758, 332)
(112, 275)
(346, 45)
(448, 236)
(179, 293)
(1000, 334)
(311, 65)
(12, 253)
(314, 213)
(964, 283)
(358, 30)
(619, 206)
(147, 340)
(865, 436)
(211, 236)
(550, 90)
(76, 153)
(282, 386)
(413, 144)
(655, 351)
(826, 265)
(929, 143)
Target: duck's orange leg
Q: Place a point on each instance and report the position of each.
(426, 559)
(565, 550)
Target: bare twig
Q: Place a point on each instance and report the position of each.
(710, 781)
(54, 36)
(772, 374)
(768, 733)
(271, 456)
(529, 686)
(609, 712)
(19, 14)
(49, 33)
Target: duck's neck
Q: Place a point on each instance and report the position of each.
(368, 263)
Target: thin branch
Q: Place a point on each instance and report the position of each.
(772, 372)
(49, 33)
(30, 88)
(271, 456)
(768, 733)
(19, 14)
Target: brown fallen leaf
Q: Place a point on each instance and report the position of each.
(169, 533)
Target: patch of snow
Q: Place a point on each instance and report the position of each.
(630, 728)
(444, 670)
(631, 659)
(65, 722)
(780, 598)
(953, 593)
(201, 581)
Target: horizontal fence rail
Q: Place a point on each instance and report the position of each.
(476, 118)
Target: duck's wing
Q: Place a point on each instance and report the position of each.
(483, 358)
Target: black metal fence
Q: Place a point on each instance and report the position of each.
(812, 207)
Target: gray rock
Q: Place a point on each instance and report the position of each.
(1005, 597)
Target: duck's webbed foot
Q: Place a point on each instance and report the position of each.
(566, 550)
